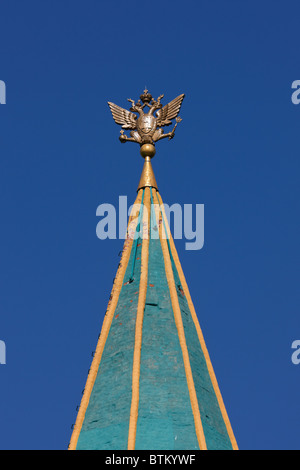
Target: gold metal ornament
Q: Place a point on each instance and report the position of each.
(146, 128)
(147, 178)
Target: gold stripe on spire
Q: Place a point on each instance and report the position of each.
(200, 336)
(139, 323)
(181, 335)
(106, 326)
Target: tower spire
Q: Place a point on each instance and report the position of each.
(147, 178)
(151, 384)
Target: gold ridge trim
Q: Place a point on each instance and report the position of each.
(106, 326)
(201, 338)
(139, 324)
(181, 335)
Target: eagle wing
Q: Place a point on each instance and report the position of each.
(169, 111)
(123, 117)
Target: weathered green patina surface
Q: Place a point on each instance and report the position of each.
(107, 417)
(165, 419)
(214, 428)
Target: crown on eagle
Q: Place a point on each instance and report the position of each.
(146, 97)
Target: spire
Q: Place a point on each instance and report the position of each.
(147, 178)
(151, 384)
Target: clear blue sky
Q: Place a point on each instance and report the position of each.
(236, 151)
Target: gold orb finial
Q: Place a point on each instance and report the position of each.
(147, 150)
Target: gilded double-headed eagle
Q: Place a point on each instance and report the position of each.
(146, 128)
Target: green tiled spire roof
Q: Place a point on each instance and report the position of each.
(151, 384)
